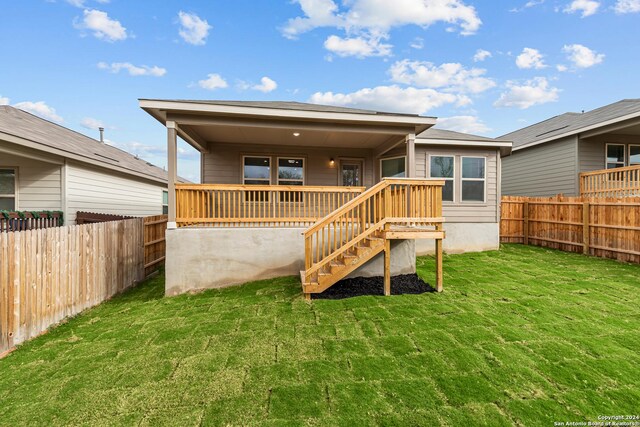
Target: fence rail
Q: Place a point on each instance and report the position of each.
(49, 274)
(19, 221)
(219, 205)
(154, 243)
(618, 182)
(603, 227)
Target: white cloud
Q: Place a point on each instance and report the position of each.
(391, 98)
(481, 55)
(371, 20)
(465, 124)
(586, 7)
(41, 109)
(103, 27)
(76, 3)
(627, 6)
(562, 68)
(213, 82)
(582, 56)
(266, 85)
(527, 5)
(360, 47)
(533, 92)
(193, 29)
(133, 70)
(451, 77)
(4, 100)
(530, 58)
(91, 123)
(417, 43)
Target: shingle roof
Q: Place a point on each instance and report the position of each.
(290, 105)
(434, 133)
(572, 123)
(27, 126)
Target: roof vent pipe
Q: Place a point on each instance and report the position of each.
(101, 134)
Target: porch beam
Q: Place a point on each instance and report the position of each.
(411, 155)
(387, 146)
(286, 124)
(172, 171)
(192, 138)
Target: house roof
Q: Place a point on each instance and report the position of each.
(568, 124)
(52, 138)
(287, 105)
(434, 136)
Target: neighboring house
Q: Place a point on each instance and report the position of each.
(549, 156)
(306, 162)
(44, 166)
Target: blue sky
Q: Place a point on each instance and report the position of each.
(484, 67)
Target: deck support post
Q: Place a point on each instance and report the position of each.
(172, 171)
(439, 261)
(387, 267)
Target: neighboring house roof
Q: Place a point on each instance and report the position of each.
(434, 136)
(286, 105)
(53, 138)
(569, 124)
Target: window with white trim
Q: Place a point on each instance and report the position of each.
(393, 167)
(615, 156)
(256, 170)
(443, 167)
(634, 155)
(473, 181)
(165, 202)
(7, 189)
(290, 171)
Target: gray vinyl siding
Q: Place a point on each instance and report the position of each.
(98, 190)
(544, 170)
(39, 183)
(592, 150)
(223, 163)
(458, 211)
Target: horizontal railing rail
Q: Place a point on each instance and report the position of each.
(618, 182)
(220, 205)
(395, 201)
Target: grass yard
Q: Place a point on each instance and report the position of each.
(521, 336)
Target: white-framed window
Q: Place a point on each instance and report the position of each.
(473, 179)
(616, 156)
(256, 170)
(443, 167)
(8, 192)
(634, 155)
(290, 171)
(165, 202)
(393, 167)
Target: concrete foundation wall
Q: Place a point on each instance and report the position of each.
(464, 237)
(215, 258)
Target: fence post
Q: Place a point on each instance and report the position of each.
(525, 225)
(586, 207)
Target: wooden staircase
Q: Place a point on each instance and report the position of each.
(353, 234)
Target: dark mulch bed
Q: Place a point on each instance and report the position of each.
(359, 286)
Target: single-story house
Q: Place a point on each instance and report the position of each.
(290, 187)
(548, 157)
(47, 167)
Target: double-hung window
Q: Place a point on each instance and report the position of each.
(615, 156)
(7, 189)
(473, 179)
(394, 167)
(257, 170)
(634, 155)
(165, 202)
(443, 167)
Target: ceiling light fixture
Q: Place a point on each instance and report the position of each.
(296, 134)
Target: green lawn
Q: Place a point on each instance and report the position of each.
(521, 336)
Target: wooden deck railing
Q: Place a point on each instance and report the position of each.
(219, 205)
(619, 182)
(397, 201)
(21, 221)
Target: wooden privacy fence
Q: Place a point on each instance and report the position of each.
(154, 243)
(92, 217)
(49, 274)
(18, 221)
(604, 227)
(618, 182)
